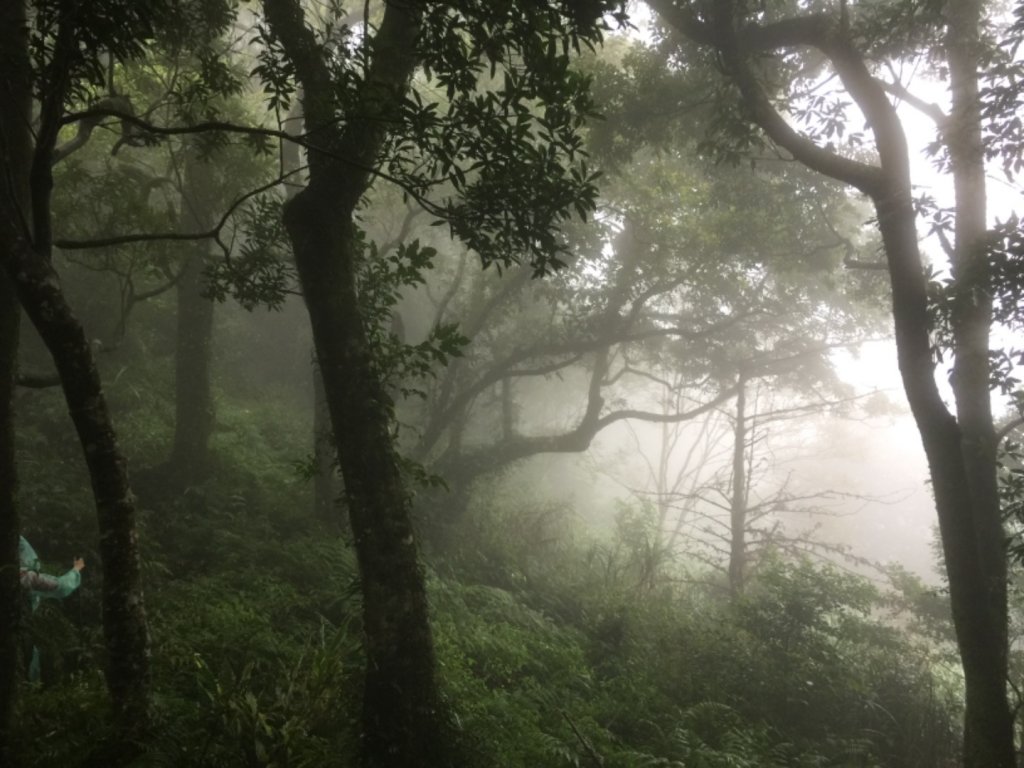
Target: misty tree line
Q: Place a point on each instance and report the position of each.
(703, 237)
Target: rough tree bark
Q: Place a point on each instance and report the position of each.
(325, 488)
(15, 151)
(124, 621)
(10, 587)
(988, 733)
(325, 485)
(960, 448)
(26, 262)
(402, 722)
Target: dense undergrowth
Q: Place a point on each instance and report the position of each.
(557, 647)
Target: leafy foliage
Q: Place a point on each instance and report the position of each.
(550, 651)
(261, 273)
(556, 647)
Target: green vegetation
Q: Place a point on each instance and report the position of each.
(555, 658)
(344, 284)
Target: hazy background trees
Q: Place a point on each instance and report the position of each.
(604, 403)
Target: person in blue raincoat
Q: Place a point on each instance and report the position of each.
(42, 586)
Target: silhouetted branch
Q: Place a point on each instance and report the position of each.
(303, 140)
(1007, 428)
(927, 108)
(149, 237)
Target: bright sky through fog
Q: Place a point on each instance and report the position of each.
(876, 364)
(1003, 196)
(889, 457)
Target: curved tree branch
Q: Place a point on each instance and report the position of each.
(580, 437)
(70, 244)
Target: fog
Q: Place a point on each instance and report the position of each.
(869, 470)
(510, 384)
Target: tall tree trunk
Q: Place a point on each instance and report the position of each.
(738, 502)
(189, 462)
(124, 619)
(26, 263)
(15, 151)
(10, 586)
(401, 712)
(402, 719)
(325, 487)
(325, 459)
(988, 726)
(960, 449)
(981, 633)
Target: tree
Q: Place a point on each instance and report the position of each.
(960, 446)
(647, 299)
(14, 60)
(53, 54)
(376, 124)
(197, 75)
(380, 120)
(742, 506)
(167, 198)
(619, 318)
(194, 414)
(715, 482)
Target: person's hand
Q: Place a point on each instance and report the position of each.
(79, 564)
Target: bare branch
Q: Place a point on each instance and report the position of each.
(149, 237)
(927, 108)
(307, 141)
(588, 747)
(1008, 428)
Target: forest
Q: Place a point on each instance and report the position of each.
(511, 383)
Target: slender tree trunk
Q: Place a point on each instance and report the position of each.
(401, 708)
(15, 151)
(980, 625)
(124, 620)
(26, 263)
(988, 726)
(189, 462)
(738, 502)
(402, 723)
(10, 586)
(325, 487)
(960, 449)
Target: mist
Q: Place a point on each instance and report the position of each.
(507, 384)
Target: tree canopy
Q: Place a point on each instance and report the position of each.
(349, 286)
